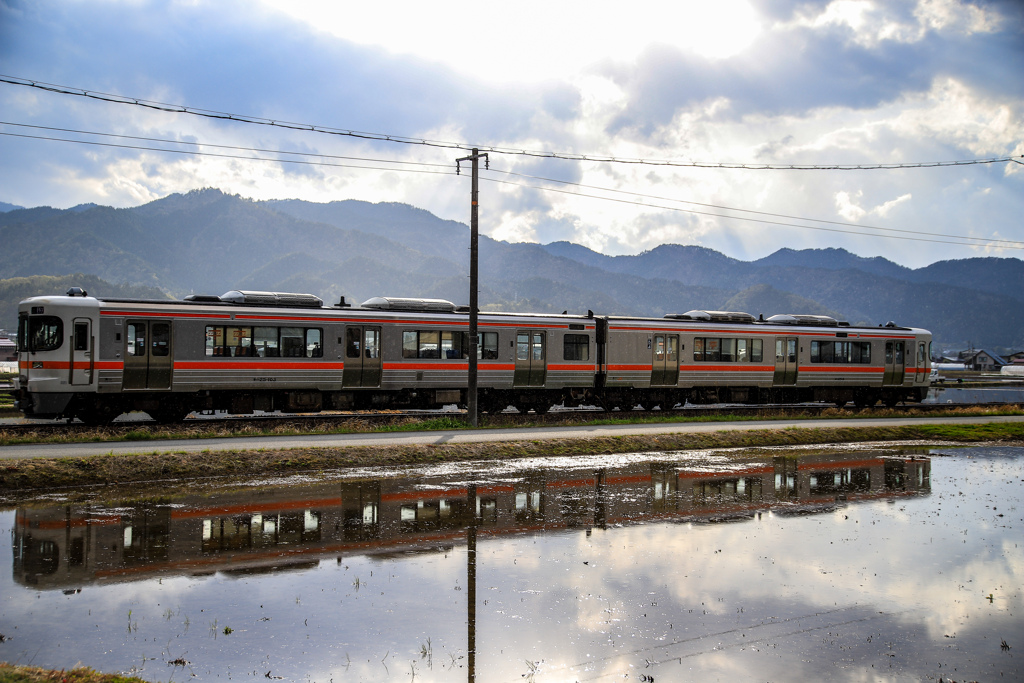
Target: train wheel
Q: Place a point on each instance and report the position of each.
(97, 416)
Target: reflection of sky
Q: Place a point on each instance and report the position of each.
(882, 590)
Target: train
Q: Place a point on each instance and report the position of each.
(95, 358)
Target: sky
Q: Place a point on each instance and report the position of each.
(588, 89)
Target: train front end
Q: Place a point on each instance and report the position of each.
(56, 353)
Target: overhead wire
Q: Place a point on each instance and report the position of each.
(753, 220)
(753, 211)
(976, 241)
(406, 140)
(232, 156)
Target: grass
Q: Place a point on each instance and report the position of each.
(30, 674)
(381, 424)
(31, 474)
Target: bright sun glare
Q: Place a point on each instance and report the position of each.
(534, 39)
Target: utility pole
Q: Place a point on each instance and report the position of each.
(474, 288)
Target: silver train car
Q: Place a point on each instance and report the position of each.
(96, 358)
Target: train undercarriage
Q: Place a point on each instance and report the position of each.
(167, 407)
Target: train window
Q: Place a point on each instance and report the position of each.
(429, 344)
(741, 351)
(315, 349)
(523, 346)
(214, 341)
(136, 343)
(888, 353)
(659, 348)
(728, 350)
(538, 346)
(353, 342)
(840, 352)
(713, 349)
(161, 339)
(698, 349)
(756, 350)
(239, 341)
(293, 344)
(409, 344)
(371, 347)
(899, 353)
(454, 345)
(23, 332)
(488, 348)
(82, 337)
(45, 333)
(920, 355)
(577, 347)
(264, 342)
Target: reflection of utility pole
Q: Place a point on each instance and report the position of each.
(471, 582)
(474, 339)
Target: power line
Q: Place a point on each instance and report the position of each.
(753, 220)
(406, 140)
(208, 144)
(977, 241)
(229, 156)
(985, 240)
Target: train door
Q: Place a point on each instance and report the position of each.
(362, 357)
(531, 358)
(785, 361)
(147, 357)
(894, 363)
(82, 342)
(922, 364)
(665, 364)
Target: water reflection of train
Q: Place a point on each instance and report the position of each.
(68, 547)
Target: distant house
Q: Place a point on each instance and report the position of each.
(8, 350)
(982, 360)
(1016, 357)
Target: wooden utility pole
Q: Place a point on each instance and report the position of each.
(474, 276)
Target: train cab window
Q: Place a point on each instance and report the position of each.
(523, 346)
(82, 337)
(488, 348)
(161, 339)
(45, 333)
(293, 344)
(577, 347)
(353, 342)
(136, 343)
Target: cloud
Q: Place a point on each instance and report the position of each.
(846, 81)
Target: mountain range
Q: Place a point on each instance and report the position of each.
(209, 242)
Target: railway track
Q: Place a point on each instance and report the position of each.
(329, 421)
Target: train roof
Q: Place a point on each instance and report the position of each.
(386, 304)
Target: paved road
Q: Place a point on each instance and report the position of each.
(478, 436)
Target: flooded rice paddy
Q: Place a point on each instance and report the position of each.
(850, 565)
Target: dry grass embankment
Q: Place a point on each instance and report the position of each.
(36, 473)
(30, 674)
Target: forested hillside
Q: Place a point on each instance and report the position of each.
(209, 242)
